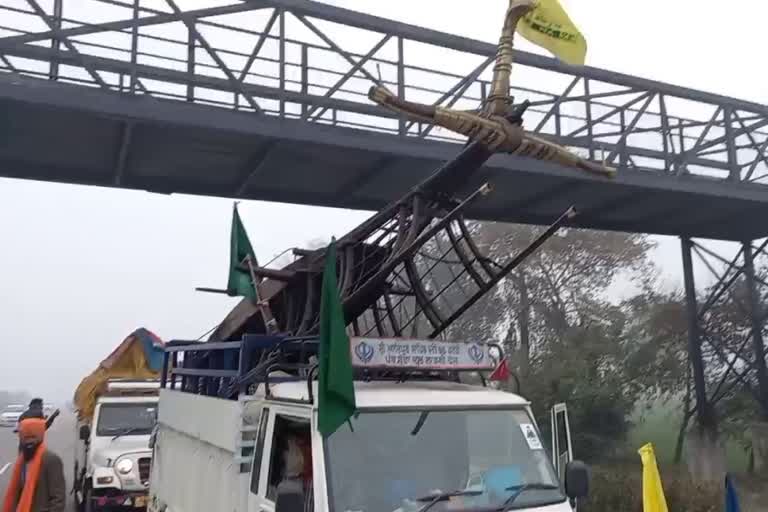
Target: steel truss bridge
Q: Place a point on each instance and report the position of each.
(266, 99)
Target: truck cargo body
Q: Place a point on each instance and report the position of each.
(197, 451)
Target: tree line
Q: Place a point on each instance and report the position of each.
(570, 337)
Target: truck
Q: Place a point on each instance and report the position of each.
(238, 431)
(116, 408)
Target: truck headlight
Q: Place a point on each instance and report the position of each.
(124, 467)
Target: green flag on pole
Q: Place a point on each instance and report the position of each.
(240, 282)
(336, 392)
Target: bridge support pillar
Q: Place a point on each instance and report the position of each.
(759, 438)
(705, 454)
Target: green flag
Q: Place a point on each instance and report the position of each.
(336, 391)
(240, 282)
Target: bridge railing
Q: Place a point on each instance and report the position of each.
(305, 60)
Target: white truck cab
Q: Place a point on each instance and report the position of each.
(113, 457)
(419, 440)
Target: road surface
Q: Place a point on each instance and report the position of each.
(60, 439)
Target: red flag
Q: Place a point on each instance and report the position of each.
(501, 373)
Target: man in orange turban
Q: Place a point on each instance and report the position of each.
(37, 483)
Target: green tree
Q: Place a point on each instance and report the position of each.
(658, 353)
(659, 360)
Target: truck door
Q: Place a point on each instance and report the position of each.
(562, 450)
(285, 427)
(256, 496)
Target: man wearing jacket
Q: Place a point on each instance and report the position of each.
(37, 482)
(35, 410)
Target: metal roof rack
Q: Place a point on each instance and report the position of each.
(231, 368)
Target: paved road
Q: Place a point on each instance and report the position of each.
(60, 439)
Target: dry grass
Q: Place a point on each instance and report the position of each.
(753, 493)
(618, 488)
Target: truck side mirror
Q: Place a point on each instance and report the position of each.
(576, 480)
(85, 432)
(290, 496)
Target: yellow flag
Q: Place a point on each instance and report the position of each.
(549, 26)
(653, 492)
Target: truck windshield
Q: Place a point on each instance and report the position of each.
(135, 419)
(386, 461)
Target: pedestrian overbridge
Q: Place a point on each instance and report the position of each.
(267, 100)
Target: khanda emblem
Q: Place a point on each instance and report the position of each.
(476, 353)
(498, 125)
(364, 352)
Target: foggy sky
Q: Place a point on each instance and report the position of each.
(81, 267)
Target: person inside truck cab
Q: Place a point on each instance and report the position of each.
(292, 460)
